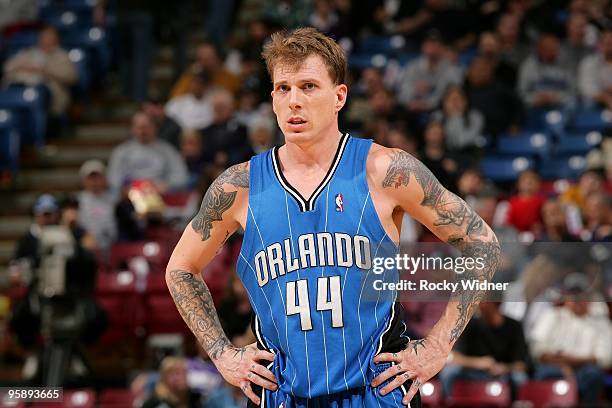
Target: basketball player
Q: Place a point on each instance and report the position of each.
(315, 211)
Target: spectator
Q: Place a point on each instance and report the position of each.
(435, 157)
(398, 137)
(524, 209)
(554, 223)
(424, 80)
(193, 110)
(509, 34)
(70, 216)
(500, 105)
(226, 134)
(544, 80)
(492, 346)
(44, 64)
(575, 47)
(208, 59)
(569, 342)
(46, 212)
(97, 204)
(323, 17)
(191, 150)
(172, 389)
(590, 181)
(595, 74)
(463, 126)
(261, 134)
(143, 157)
(167, 128)
(597, 218)
(489, 47)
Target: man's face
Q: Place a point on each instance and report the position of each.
(488, 45)
(480, 72)
(606, 44)
(143, 128)
(576, 26)
(48, 40)
(432, 49)
(207, 57)
(553, 214)
(95, 182)
(548, 49)
(305, 100)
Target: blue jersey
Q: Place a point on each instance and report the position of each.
(303, 262)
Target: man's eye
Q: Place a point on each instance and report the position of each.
(309, 85)
(283, 88)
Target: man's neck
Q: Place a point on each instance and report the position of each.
(311, 155)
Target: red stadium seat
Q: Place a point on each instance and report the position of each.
(549, 393)
(85, 398)
(116, 398)
(154, 252)
(431, 394)
(479, 394)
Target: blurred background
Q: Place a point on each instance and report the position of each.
(116, 115)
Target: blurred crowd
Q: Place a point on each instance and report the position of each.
(524, 55)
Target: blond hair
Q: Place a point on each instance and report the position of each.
(294, 47)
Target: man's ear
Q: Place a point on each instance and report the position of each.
(341, 94)
(272, 96)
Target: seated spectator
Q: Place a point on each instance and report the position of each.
(167, 128)
(323, 17)
(398, 137)
(595, 74)
(554, 223)
(424, 80)
(97, 204)
(545, 81)
(463, 126)
(143, 157)
(226, 134)
(261, 134)
(575, 47)
(207, 59)
(70, 216)
(524, 209)
(191, 150)
(569, 342)
(508, 30)
(436, 158)
(193, 110)
(597, 218)
(489, 48)
(491, 346)
(590, 181)
(499, 104)
(172, 389)
(44, 64)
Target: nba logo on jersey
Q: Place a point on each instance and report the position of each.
(339, 202)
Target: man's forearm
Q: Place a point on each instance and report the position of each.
(195, 303)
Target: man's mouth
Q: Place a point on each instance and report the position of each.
(296, 121)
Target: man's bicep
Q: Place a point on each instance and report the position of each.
(420, 194)
(216, 219)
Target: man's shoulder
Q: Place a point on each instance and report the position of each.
(381, 157)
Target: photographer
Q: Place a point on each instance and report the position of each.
(61, 281)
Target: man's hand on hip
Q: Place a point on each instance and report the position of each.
(420, 361)
(240, 367)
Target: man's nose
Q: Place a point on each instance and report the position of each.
(294, 102)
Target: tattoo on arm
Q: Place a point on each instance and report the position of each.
(217, 201)
(195, 303)
(465, 229)
(415, 344)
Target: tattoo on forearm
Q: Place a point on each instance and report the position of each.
(217, 201)
(464, 228)
(195, 303)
